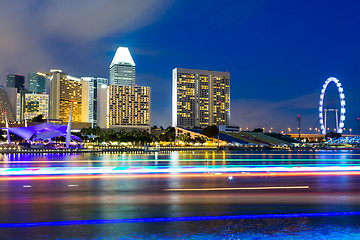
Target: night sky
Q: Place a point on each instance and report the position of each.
(278, 53)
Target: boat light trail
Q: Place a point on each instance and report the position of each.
(174, 170)
(317, 160)
(177, 219)
(180, 175)
(231, 189)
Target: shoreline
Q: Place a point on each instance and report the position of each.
(104, 150)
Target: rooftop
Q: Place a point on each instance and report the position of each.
(122, 56)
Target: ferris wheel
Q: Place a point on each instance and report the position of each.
(322, 110)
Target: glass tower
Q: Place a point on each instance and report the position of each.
(15, 81)
(94, 85)
(122, 68)
(37, 82)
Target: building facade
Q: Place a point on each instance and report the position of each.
(37, 82)
(94, 85)
(128, 107)
(15, 81)
(65, 89)
(200, 98)
(122, 68)
(5, 106)
(30, 105)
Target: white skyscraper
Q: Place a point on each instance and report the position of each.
(122, 68)
(94, 85)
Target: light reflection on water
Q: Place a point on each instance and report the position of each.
(300, 228)
(205, 158)
(137, 198)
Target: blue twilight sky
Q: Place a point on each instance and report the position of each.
(278, 53)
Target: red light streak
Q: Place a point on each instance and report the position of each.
(241, 188)
(169, 175)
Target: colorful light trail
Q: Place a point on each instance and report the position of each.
(318, 161)
(177, 219)
(238, 188)
(175, 170)
(180, 175)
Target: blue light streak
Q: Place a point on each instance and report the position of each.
(175, 219)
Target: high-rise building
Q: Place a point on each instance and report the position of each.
(122, 68)
(15, 81)
(128, 107)
(65, 89)
(37, 82)
(200, 98)
(5, 106)
(94, 85)
(30, 105)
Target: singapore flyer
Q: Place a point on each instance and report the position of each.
(339, 124)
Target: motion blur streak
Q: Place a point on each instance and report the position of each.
(167, 175)
(175, 170)
(243, 188)
(170, 219)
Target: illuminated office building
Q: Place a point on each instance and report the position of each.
(94, 86)
(65, 89)
(128, 107)
(200, 98)
(30, 105)
(122, 68)
(37, 82)
(5, 106)
(15, 81)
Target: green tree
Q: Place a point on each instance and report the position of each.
(38, 118)
(211, 131)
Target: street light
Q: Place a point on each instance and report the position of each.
(358, 126)
(298, 119)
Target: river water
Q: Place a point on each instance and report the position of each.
(149, 204)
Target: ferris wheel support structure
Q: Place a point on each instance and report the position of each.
(339, 124)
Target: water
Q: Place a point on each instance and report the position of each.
(143, 201)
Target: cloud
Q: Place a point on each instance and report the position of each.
(35, 34)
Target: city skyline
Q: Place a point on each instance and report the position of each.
(279, 54)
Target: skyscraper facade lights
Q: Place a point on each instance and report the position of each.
(65, 89)
(32, 105)
(129, 106)
(200, 98)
